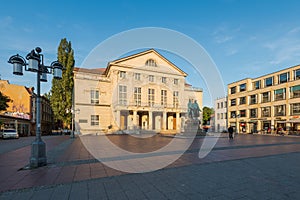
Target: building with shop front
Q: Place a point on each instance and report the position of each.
(220, 108)
(144, 91)
(266, 104)
(21, 111)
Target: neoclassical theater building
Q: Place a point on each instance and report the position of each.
(144, 91)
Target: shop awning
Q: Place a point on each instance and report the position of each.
(294, 121)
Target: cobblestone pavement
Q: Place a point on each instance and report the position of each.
(249, 167)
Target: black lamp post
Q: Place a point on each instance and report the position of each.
(36, 64)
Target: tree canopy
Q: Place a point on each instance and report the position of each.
(3, 102)
(62, 90)
(207, 112)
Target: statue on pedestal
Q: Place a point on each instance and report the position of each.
(193, 110)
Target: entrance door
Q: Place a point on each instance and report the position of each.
(174, 123)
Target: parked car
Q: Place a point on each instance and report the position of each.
(9, 133)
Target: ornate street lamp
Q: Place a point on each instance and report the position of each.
(36, 64)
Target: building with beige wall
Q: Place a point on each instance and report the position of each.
(144, 91)
(266, 104)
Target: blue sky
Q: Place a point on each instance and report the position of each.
(244, 38)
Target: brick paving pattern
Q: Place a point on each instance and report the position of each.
(249, 167)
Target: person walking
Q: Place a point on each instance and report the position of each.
(230, 131)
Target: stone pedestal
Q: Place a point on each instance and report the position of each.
(192, 127)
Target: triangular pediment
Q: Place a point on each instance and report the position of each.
(139, 62)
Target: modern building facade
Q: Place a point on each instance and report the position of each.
(144, 91)
(220, 108)
(266, 104)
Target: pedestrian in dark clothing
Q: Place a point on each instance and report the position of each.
(230, 131)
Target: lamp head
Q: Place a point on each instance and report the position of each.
(18, 63)
(57, 69)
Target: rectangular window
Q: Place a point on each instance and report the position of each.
(232, 114)
(94, 120)
(295, 109)
(297, 74)
(221, 104)
(266, 97)
(253, 113)
(266, 111)
(283, 78)
(122, 74)
(163, 79)
(243, 87)
(279, 110)
(175, 99)
(233, 102)
(137, 96)
(269, 81)
(94, 96)
(137, 76)
(151, 78)
(279, 94)
(242, 100)
(221, 115)
(295, 91)
(218, 105)
(232, 90)
(151, 95)
(253, 99)
(175, 81)
(225, 115)
(242, 113)
(256, 85)
(123, 95)
(164, 98)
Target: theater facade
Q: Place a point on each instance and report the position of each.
(140, 92)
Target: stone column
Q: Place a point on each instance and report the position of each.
(150, 120)
(164, 121)
(134, 118)
(118, 117)
(177, 122)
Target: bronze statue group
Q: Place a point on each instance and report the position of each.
(193, 109)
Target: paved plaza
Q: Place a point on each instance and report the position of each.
(249, 167)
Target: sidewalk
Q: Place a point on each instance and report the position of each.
(248, 167)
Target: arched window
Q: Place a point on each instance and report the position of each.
(151, 62)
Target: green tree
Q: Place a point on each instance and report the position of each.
(207, 112)
(3, 101)
(62, 90)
